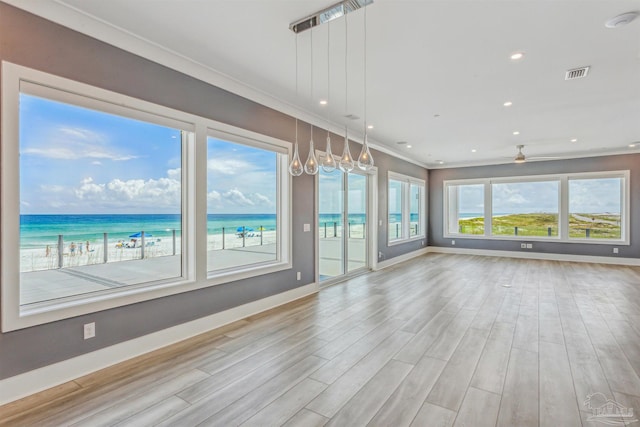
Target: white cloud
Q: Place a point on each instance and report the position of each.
(131, 194)
(228, 166)
(76, 143)
(261, 199)
(96, 162)
(175, 173)
(52, 188)
(235, 201)
(89, 189)
(213, 196)
(235, 197)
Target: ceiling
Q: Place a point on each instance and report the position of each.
(438, 72)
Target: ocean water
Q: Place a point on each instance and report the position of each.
(38, 231)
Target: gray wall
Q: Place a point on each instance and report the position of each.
(591, 164)
(34, 42)
(386, 164)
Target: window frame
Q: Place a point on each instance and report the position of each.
(194, 198)
(563, 206)
(407, 181)
(283, 208)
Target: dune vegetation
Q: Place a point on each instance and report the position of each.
(595, 226)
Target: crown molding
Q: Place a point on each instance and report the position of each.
(69, 16)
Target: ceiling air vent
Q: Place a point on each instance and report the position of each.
(352, 117)
(577, 73)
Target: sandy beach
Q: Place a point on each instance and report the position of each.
(37, 259)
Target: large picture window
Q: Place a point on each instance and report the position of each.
(244, 203)
(589, 207)
(396, 207)
(406, 208)
(100, 205)
(100, 200)
(595, 208)
(525, 208)
(465, 209)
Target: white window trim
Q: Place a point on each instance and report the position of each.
(406, 208)
(563, 206)
(194, 211)
(283, 209)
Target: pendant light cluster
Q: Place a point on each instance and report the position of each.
(328, 163)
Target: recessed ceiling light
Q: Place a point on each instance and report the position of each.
(474, 150)
(323, 102)
(508, 104)
(370, 127)
(516, 56)
(440, 162)
(632, 145)
(574, 139)
(409, 146)
(515, 132)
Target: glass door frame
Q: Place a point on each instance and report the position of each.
(371, 227)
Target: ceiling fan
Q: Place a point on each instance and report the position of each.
(521, 158)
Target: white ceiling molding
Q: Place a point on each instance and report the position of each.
(61, 13)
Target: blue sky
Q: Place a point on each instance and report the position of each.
(240, 178)
(331, 192)
(76, 160)
(585, 196)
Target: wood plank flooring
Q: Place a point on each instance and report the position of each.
(441, 340)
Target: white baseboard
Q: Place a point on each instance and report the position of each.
(536, 255)
(31, 382)
(400, 258)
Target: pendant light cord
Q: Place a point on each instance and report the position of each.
(296, 85)
(365, 71)
(346, 77)
(328, 73)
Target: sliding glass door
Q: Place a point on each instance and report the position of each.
(343, 223)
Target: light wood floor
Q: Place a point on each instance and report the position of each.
(437, 341)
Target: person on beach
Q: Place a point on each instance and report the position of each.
(87, 246)
(47, 252)
(72, 248)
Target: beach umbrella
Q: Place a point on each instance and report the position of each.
(240, 229)
(139, 235)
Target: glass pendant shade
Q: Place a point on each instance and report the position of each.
(365, 161)
(295, 167)
(328, 162)
(311, 165)
(346, 161)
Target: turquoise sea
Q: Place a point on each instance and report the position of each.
(38, 231)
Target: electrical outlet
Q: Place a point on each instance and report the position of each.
(523, 246)
(529, 245)
(453, 242)
(615, 250)
(379, 254)
(423, 243)
(298, 276)
(306, 227)
(380, 223)
(89, 330)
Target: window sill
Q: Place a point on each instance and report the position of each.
(408, 240)
(539, 239)
(221, 277)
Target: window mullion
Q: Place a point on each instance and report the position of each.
(488, 210)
